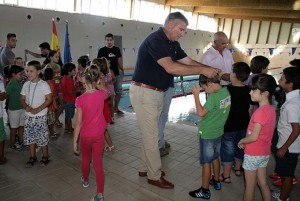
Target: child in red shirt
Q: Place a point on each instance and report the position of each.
(69, 95)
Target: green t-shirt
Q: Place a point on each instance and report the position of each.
(13, 90)
(218, 105)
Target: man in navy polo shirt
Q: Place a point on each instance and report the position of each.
(160, 57)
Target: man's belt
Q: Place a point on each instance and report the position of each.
(139, 84)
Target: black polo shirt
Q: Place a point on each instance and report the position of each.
(153, 48)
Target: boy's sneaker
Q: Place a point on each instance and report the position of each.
(216, 184)
(85, 184)
(97, 198)
(274, 175)
(279, 182)
(200, 193)
(276, 194)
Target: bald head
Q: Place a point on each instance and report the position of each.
(220, 41)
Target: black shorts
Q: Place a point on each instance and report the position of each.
(285, 167)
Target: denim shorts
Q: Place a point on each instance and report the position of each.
(209, 149)
(254, 162)
(118, 84)
(69, 110)
(229, 148)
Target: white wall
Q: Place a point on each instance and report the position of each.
(85, 31)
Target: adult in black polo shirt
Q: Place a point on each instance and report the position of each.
(159, 58)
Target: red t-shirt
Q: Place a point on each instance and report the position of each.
(67, 84)
(265, 116)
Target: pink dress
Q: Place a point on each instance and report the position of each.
(108, 83)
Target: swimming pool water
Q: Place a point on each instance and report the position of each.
(182, 107)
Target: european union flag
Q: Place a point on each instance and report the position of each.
(67, 50)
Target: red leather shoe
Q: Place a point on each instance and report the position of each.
(161, 183)
(144, 174)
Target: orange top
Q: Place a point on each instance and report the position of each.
(52, 107)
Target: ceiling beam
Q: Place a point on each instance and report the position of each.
(267, 19)
(254, 4)
(249, 12)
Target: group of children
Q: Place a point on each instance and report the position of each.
(237, 125)
(34, 106)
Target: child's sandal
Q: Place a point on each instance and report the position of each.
(225, 179)
(44, 161)
(238, 172)
(110, 149)
(30, 162)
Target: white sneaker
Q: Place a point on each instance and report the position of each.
(276, 195)
(85, 184)
(37, 149)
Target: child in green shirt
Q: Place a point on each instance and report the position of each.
(213, 115)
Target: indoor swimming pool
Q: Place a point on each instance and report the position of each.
(182, 107)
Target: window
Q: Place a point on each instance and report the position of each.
(121, 8)
(144, 11)
(13, 2)
(65, 5)
(36, 4)
(206, 23)
(99, 7)
(189, 16)
(50, 4)
(83, 6)
(23, 3)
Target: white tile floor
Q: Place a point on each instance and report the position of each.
(60, 180)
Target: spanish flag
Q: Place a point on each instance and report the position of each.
(55, 43)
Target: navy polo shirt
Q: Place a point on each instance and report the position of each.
(153, 48)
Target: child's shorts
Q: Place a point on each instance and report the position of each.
(36, 130)
(16, 118)
(2, 130)
(69, 110)
(229, 149)
(51, 118)
(286, 166)
(254, 162)
(209, 149)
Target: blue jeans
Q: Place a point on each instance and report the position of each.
(69, 110)
(163, 118)
(229, 148)
(209, 149)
